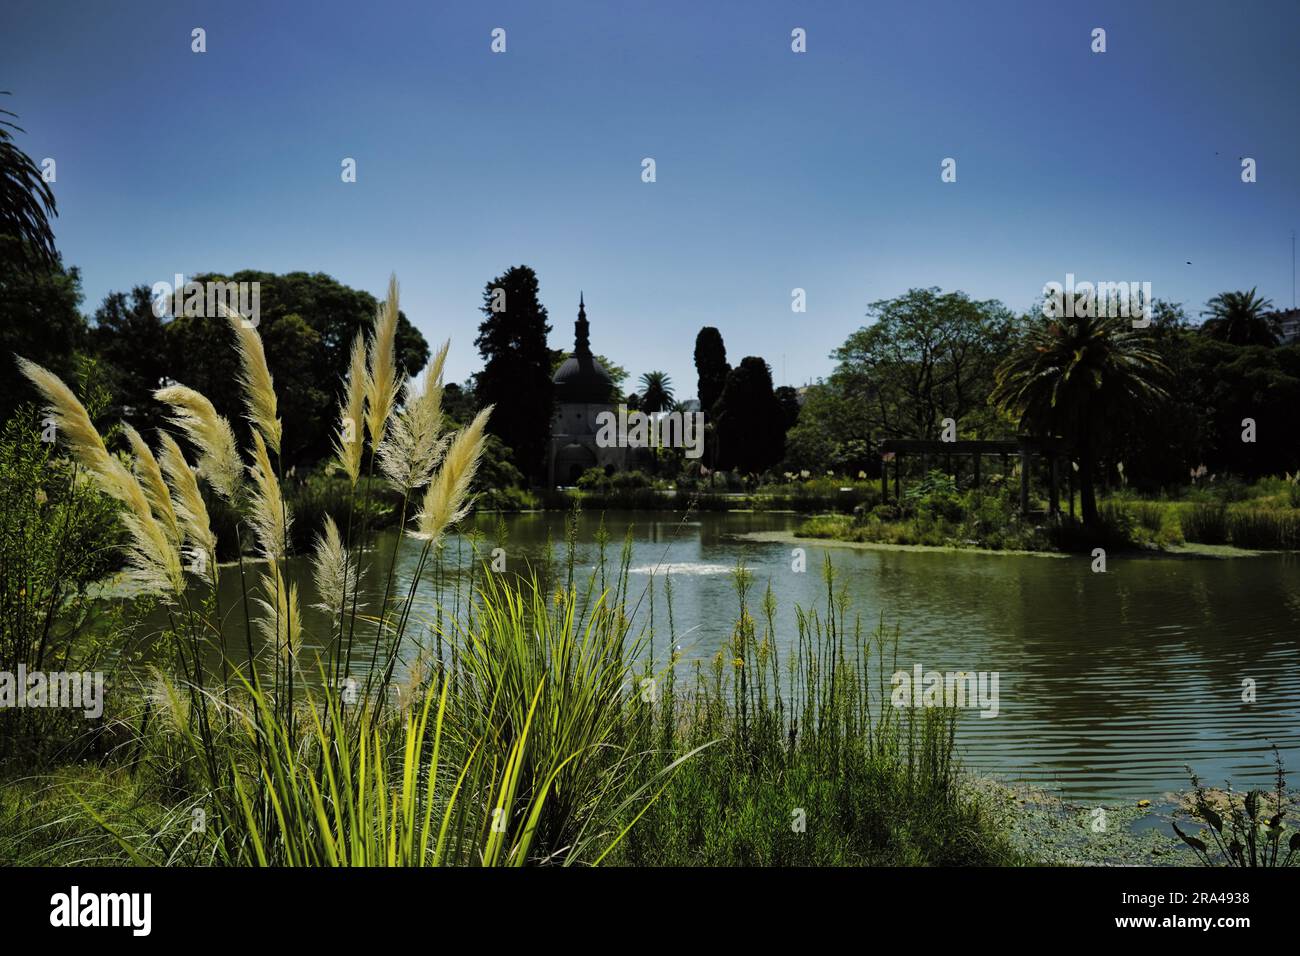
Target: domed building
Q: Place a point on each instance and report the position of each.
(583, 389)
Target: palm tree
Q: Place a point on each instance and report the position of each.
(1074, 378)
(1241, 318)
(656, 392)
(26, 204)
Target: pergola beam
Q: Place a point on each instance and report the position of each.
(1050, 448)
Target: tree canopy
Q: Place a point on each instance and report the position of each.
(516, 375)
(26, 206)
(711, 367)
(749, 419)
(307, 322)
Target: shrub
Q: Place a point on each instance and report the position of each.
(505, 499)
(323, 494)
(58, 536)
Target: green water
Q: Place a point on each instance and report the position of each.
(1108, 684)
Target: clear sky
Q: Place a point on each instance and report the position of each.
(775, 170)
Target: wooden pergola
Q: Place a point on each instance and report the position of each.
(1054, 450)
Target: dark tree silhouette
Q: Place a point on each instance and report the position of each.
(129, 335)
(26, 205)
(1241, 318)
(40, 319)
(751, 436)
(787, 399)
(656, 392)
(307, 322)
(1076, 378)
(516, 375)
(711, 366)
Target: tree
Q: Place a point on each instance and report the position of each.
(829, 433)
(1231, 383)
(459, 404)
(1158, 450)
(750, 435)
(656, 392)
(128, 336)
(26, 206)
(40, 319)
(516, 375)
(307, 322)
(336, 313)
(1076, 378)
(787, 399)
(1241, 318)
(39, 298)
(711, 366)
(927, 356)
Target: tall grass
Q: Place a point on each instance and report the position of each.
(813, 766)
(1205, 522)
(1265, 529)
(385, 796)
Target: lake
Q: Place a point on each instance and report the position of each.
(1109, 685)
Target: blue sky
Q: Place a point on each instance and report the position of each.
(775, 170)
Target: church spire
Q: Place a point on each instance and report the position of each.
(581, 340)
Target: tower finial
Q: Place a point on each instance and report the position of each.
(581, 341)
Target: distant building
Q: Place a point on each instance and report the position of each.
(583, 389)
(1289, 323)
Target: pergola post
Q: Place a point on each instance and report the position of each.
(1024, 480)
(1055, 497)
(884, 479)
(976, 463)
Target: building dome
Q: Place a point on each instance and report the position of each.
(581, 378)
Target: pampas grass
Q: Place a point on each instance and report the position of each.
(210, 434)
(268, 514)
(153, 562)
(255, 378)
(282, 624)
(350, 440)
(334, 573)
(381, 368)
(168, 702)
(150, 476)
(415, 444)
(447, 499)
(187, 501)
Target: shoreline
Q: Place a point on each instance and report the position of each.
(1183, 552)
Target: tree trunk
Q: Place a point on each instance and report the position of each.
(1087, 494)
